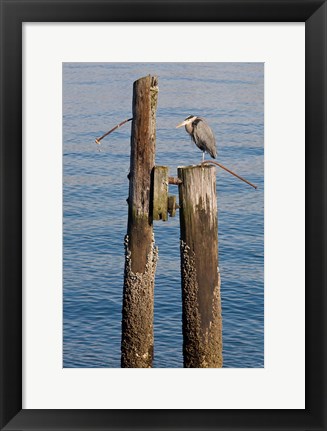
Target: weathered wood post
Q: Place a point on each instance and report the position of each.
(140, 252)
(160, 193)
(202, 322)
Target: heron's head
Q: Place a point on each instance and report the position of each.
(187, 120)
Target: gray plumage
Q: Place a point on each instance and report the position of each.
(201, 134)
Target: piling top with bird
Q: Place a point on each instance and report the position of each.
(201, 134)
(203, 137)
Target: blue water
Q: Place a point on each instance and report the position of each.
(96, 97)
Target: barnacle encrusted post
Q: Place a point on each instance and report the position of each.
(141, 255)
(202, 322)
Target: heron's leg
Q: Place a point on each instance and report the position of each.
(203, 156)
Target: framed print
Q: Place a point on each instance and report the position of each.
(268, 62)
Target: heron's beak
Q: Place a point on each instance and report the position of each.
(181, 124)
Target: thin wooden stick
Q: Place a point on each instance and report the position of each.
(97, 141)
(231, 172)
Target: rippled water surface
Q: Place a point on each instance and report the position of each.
(96, 97)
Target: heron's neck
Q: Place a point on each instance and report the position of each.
(189, 128)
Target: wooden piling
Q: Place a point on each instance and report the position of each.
(160, 193)
(140, 252)
(202, 322)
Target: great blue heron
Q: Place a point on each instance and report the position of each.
(201, 134)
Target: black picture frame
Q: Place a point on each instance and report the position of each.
(13, 14)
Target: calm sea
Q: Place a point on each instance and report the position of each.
(96, 97)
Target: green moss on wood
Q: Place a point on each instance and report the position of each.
(160, 193)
